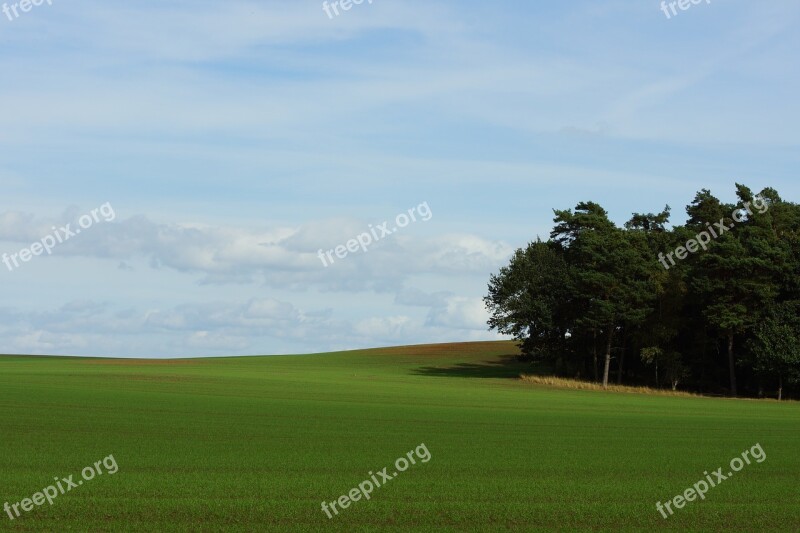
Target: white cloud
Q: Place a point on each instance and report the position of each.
(460, 313)
(277, 256)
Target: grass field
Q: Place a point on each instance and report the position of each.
(256, 444)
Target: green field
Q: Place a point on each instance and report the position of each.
(257, 443)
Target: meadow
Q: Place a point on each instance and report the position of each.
(258, 443)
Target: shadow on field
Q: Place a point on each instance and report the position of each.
(508, 366)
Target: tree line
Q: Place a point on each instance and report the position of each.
(712, 305)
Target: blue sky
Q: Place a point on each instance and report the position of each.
(234, 140)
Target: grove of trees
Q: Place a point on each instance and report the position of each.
(602, 302)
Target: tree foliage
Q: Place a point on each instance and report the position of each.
(721, 315)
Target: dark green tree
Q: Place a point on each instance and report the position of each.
(776, 344)
(609, 272)
(731, 281)
(527, 298)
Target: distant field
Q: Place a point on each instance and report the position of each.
(255, 444)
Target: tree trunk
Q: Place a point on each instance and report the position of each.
(731, 365)
(608, 356)
(594, 352)
(621, 365)
(780, 387)
(658, 385)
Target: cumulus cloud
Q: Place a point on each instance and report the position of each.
(283, 256)
(278, 259)
(417, 298)
(460, 313)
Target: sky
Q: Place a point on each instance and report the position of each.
(223, 145)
